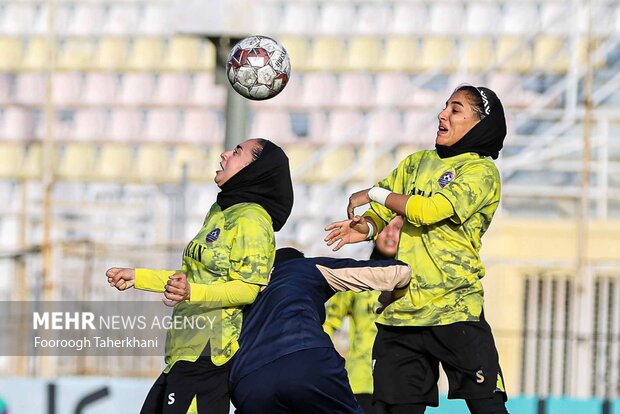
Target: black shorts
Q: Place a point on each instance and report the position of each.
(406, 362)
(174, 391)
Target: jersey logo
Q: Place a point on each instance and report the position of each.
(211, 237)
(480, 376)
(445, 178)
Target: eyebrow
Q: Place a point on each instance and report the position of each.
(239, 147)
(456, 103)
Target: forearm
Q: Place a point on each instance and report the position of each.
(373, 277)
(152, 280)
(229, 294)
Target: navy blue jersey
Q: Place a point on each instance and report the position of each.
(288, 315)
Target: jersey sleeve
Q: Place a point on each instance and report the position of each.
(253, 250)
(475, 186)
(152, 280)
(336, 309)
(233, 293)
(395, 182)
(362, 275)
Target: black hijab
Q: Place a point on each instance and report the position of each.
(486, 138)
(266, 182)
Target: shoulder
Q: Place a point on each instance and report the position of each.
(248, 214)
(480, 165)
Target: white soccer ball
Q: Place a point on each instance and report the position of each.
(258, 67)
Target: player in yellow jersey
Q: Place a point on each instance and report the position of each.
(448, 197)
(361, 309)
(226, 264)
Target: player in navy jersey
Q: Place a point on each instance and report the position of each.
(286, 362)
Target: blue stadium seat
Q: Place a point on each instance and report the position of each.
(615, 406)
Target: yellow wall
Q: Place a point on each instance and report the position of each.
(515, 248)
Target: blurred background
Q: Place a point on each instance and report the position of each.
(113, 114)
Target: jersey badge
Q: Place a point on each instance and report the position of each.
(211, 237)
(445, 179)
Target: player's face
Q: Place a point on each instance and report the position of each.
(457, 118)
(234, 161)
(387, 240)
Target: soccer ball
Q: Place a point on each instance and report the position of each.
(258, 67)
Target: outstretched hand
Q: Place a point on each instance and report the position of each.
(177, 289)
(121, 278)
(347, 231)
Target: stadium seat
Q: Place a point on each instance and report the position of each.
(520, 18)
(183, 53)
(115, 163)
(345, 125)
(162, 125)
(356, 90)
(372, 19)
(89, 125)
(446, 18)
(17, 18)
(172, 89)
(479, 54)
(391, 89)
(153, 164)
(12, 156)
(272, 124)
(33, 162)
(421, 128)
(205, 92)
(36, 54)
(100, 88)
(30, 88)
(385, 127)
(6, 82)
(67, 88)
(137, 88)
(336, 18)
(335, 162)
(409, 19)
(513, 54)
(11, 53)
(200, 162)
(363, 54)
(551, 54)
(18, 124)
(155, 20)
(401, 54)
(123, 19)
(439, 54)
(299, 18)
(327, 54)
(147, 54)
(76, 54)
(479, 18)
(112, 54)
(560, 19)
(201, 126)
(319, 90)
(206, 59)
(298, 49)
(303, 169)
(87, 20)
(126, 124)
(77, 162)
(373, 166)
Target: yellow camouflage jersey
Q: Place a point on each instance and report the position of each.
(361, 310)
(444, 257)
(235, 244)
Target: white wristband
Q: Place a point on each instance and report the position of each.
(379, 195)
(371, 231)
